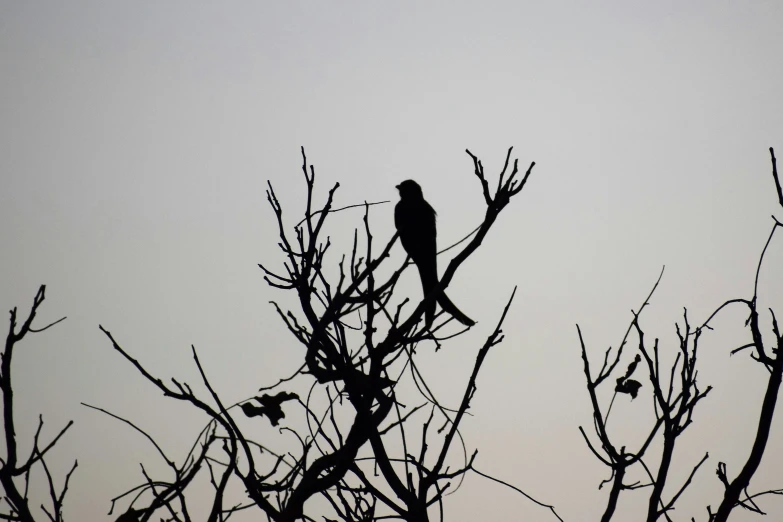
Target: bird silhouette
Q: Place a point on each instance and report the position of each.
(415, 222)
(271, 406)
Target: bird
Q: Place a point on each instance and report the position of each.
(271, 406)
(414, 219)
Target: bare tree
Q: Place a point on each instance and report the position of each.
(673, 405)
(771, 358)
(15, 472)
(363, 452)
(365, 434)
(675, 394)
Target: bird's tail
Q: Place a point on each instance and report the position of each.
(429, 281)
(455, 312)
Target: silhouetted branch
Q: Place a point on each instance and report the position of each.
(537, 502)
(775, 176)
(606, 371)
(354, 341)
(357, 205)
(673, 412)
(773, 362)
(132, 425)
(10, 470)
(56, 515)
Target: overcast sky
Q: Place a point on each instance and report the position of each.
(137, 139)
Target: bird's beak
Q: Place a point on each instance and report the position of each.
(397, 187)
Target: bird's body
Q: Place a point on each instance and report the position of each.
(415, 222)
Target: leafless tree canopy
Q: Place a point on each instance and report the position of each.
(676, 394)
(360, 445)
(367, 451)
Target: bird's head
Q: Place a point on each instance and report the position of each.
(409, 189)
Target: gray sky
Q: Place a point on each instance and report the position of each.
(137, 138)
